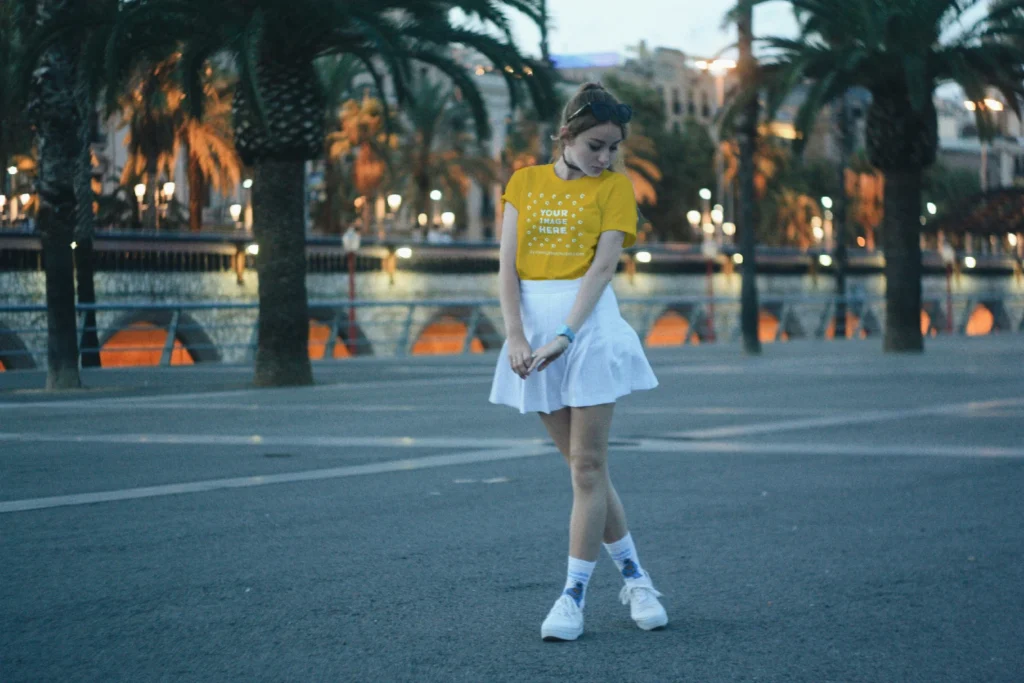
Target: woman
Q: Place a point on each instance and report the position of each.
(570, 354)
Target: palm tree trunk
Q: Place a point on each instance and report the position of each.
(57, 129)
(150, 220)
(196, 190)
(747, 134)
(282, 356)
(84, 218)
(900, 235)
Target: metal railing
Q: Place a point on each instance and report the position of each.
(143, 333)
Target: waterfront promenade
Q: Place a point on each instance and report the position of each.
(821, 513)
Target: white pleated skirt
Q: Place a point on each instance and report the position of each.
(605, 362)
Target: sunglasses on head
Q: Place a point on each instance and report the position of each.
(603, 112)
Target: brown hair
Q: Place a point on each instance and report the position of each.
(587, 94)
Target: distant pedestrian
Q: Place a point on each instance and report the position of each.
(569, 354)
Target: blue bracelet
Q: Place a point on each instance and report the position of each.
(566, 331)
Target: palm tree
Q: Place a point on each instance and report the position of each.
(339, 75)
(58, 124)
(358, 155)
(15, 130)
(900, 51)
(160, 126)
(439, 151)
(279, 106)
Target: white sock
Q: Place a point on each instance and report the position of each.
(578, 578)
(624, 553)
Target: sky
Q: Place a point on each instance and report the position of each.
(693, 26)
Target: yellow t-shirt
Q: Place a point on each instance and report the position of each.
(560, 221)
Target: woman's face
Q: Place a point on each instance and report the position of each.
(594, 149)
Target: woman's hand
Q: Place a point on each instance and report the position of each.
(519, 355)
(548, 354)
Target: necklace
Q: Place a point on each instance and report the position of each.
(572, 166)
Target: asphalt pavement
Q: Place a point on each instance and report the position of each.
(823, 512)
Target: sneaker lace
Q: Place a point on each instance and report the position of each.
(641, 595)
(566, 607)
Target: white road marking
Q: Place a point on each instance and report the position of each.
(346, 387)
(705, 448)
(823, 449)
(275, 440)
(447, 460)
(867, 417)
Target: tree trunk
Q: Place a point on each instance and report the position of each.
(900, 236)
(57, 130)
(150, 220)
(839, 219)
(196, 190)
(85, 220)
(747, 134)
(282, 355)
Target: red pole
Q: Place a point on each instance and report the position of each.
(949, 299)
(351, 298)
(711, 301)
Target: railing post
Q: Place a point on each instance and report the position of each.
(254, 339)
(332, 336)
(403, 341)
(474, 320)
(172, 334)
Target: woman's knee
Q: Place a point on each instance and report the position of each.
(589, 470)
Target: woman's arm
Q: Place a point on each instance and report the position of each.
(597, 277)
(508, 291)
(600, 273)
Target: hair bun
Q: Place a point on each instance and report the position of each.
(591, 86)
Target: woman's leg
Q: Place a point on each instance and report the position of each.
(559, 426)
(588, 464)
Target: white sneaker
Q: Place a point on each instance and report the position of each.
(644, 607)
(564, 622)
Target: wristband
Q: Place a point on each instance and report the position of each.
(566, 331)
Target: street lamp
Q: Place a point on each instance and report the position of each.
(932, 209)
(169, 188)
(350, 243)
(236, 213)
(394, 202)
(694, 218)
(447, 220)
(816, 228)
(948, 259)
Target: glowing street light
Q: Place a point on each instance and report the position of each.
(447, 219)
(970, 261)
(825, 260)
(236, 212)
(403, 252)
(25, 199)
(694, 218)
(140, 191)
(12, 170)
(394, 202)
(826, 202)
(435, 195)
(643, 256)
(705, 194)
(169, 188)
(422, 219)
(247, 183)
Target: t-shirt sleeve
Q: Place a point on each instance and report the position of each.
(619, 210)
(514, 191)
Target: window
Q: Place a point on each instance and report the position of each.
(677, 107)
(690, 106)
